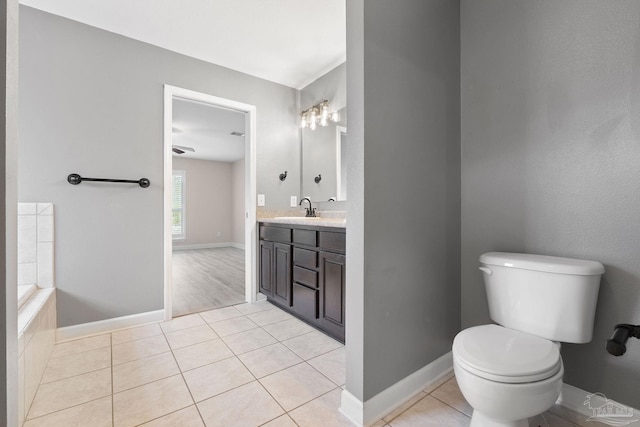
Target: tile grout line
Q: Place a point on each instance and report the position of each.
(183, 379)
(303, 361)
(260, 384)
(75, 375)
(315, 398)
(445, 403)
(64, 409)
(79, 352)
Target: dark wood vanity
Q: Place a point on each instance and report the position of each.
(302, 270)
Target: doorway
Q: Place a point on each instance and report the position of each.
(174, 97)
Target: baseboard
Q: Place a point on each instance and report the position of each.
(352, 408)
(208, 246)
(108, 325)
(385, 402)
(587, 404)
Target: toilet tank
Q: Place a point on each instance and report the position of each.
(551, 297)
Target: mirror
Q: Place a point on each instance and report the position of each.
(324, 174)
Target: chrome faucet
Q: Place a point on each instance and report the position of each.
(311, 212)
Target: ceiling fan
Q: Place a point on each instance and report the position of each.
(179, 149)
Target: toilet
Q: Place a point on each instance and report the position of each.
(512, 371)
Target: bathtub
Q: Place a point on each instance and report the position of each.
(36, 299)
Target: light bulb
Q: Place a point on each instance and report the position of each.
(324, 111)
(313, 119)
(335, 117)
(303, 121)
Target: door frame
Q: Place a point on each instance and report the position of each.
(340, 130)
(171, 92)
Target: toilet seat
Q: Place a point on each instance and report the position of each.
(505, 355)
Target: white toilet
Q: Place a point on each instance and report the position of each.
(513, 371)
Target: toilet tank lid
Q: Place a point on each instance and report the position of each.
(550, 264)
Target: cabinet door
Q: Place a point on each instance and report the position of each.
(266, 268)
(332, 293)
(282, 273)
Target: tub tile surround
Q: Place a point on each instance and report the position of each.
(36, 300)
(35, 244)
(278, 372)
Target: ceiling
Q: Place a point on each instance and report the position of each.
(207, 129)
(291, 42)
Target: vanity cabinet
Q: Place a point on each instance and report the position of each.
(332, 281)
(275, 264)
(275, 271)
(302, 270)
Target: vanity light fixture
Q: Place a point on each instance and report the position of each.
(319, 114)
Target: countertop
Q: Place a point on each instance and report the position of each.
(301, 220)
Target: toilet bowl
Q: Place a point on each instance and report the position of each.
(507, 376)
(512, 370)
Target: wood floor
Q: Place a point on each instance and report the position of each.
(204, 279)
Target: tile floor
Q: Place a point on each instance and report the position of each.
(246, 365)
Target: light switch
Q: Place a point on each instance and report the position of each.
(260, 199)
(294, 201)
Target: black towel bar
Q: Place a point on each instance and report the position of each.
(76, 179)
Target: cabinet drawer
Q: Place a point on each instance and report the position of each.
(332, 241)
(275, 234)
(306, 277)
(305, 258)
(305, 301)
(305, 237)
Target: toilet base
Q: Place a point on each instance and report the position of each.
(478, 419)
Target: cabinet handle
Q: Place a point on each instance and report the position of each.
(486, 270)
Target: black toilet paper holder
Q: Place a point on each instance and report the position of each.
(616, 345)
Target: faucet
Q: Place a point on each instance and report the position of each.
(311, 212)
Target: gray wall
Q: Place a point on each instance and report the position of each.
(8, 213)
(404, 122)
(332, 86)
(237, 201)
(91, 102)
(550, 155)
(209, 201)
(319, 145)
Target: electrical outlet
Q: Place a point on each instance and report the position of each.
(260, 199)
(294, 201)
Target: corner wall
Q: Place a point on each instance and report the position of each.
(404, 188)
(550, 155)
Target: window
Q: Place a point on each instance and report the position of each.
(178, 219)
